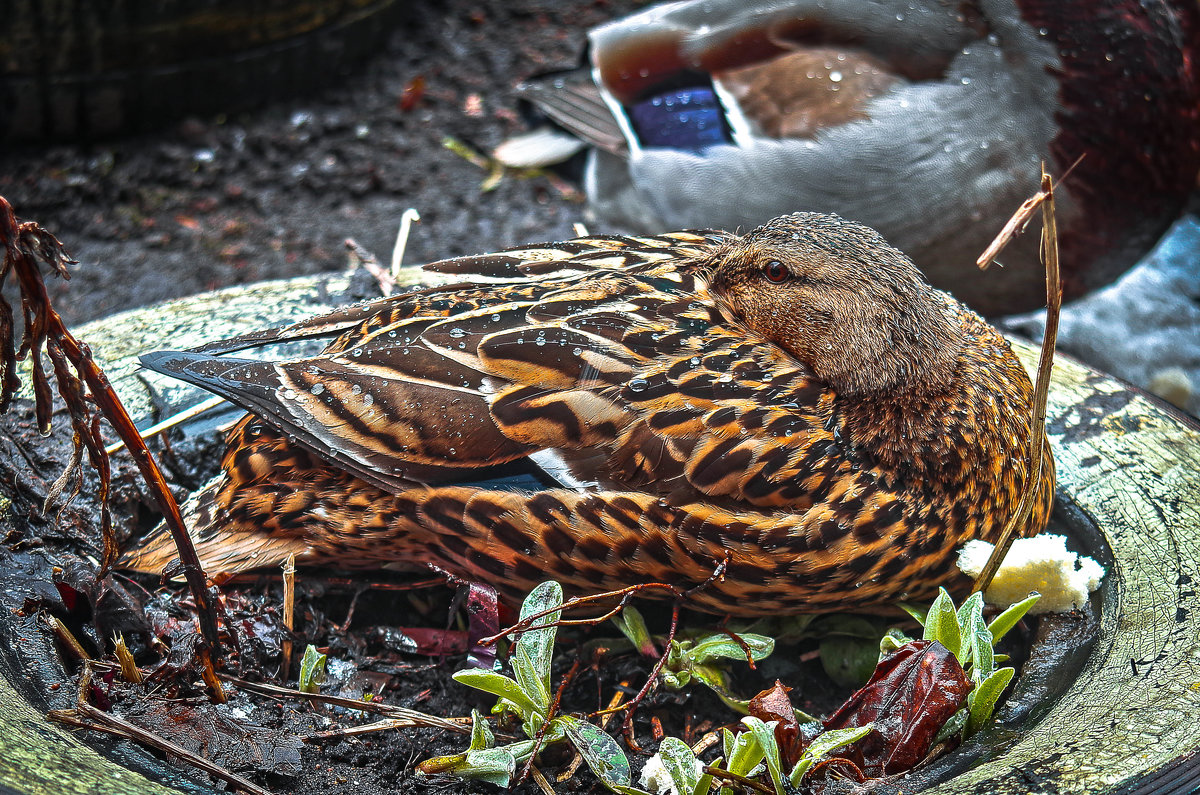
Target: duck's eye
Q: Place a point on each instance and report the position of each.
(775, 271)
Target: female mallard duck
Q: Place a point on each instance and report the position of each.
(612, 410)
(924, 119)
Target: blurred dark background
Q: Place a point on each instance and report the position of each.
(207, 201)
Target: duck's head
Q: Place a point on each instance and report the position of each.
(837, 297)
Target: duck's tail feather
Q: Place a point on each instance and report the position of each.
(221, 547)
(573, 101)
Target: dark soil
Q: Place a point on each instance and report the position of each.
(218, 201)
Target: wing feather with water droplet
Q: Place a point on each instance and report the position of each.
(613, 360)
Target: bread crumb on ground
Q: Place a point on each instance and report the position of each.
(1042, 564)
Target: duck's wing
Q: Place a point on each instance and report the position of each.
(691, 75)
(615, 366)
(574, 101)
(531, 262)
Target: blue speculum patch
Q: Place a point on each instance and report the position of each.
(691, 119)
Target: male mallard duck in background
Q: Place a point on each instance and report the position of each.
(614, 410)
(924, 119)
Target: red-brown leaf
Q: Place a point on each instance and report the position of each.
(912, 693)
(413, 92)
(483, 612)
(773, 704)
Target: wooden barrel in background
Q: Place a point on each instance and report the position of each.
(82, 69)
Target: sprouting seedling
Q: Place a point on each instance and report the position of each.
(758, 745)
(703, 659)
(965, 634)
(312, 670)
(482, 761)
(527, 694)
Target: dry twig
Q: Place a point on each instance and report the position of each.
(289, 613)
(387, 724)
(407, 219)
(540, 779)
(170, 422)
(625, 594)
(402, 713)
(27, 249)
(65, 637)
(1044, 199)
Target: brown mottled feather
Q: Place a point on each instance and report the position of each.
(837, 436)
(800, 93)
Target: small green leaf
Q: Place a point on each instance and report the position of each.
(481, 733)
(534, 649)
(892, 640)
(830, 741)
(984, 664)
(764, 733)
(824, 744)
(724, 647)
(528, 676)
(941, 624)
(675, 680)
(710, 675)
(599, 750)
(716, 679)
(966, 613)
(803, 765)
(680, 764)
(1002, 623)
(977, 639)
(742, 750)
(493, 765)
(982, 700)
(849, 661)
(917, 612)
(312, 670)
(502, 686)
(677, 653)
(951, 727)
(523, 749)
(633, 626)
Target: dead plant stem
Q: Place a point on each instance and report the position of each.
(1037, 422)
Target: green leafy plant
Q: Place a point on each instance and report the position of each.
(968, 637)
(703, 658)
(683, 770)
(527, 696)
(312, 670)
(758, 745)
